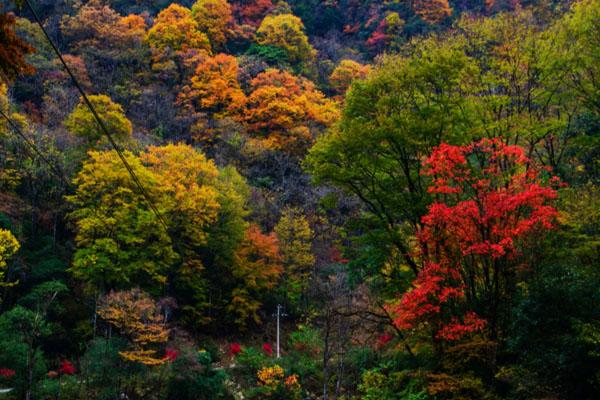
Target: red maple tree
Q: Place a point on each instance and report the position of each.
(490, 203)
(66, 368)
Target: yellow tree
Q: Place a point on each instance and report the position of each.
(120, 241)
(213, 18)
(8, 247)
(295, 236)
(118, 238)
(286, 31)
(82, 123)
(176, 29)
(187, 181)
(138, 318)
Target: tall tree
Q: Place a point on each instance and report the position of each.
(405, 107)
(493, 205)
(176, 29)
(119, 240)
(295, 236)
(257, 270)
(214, 88)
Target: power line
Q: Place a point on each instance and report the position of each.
(53, 167)
(103, 128)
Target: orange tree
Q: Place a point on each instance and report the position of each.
(282, 109)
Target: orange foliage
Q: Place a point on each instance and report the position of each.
(98, 25)
(12, 49)
(214, 87)
(258, 268)
(213, 18)
(136, 316)
(282, 108)
(432, 11)
(347, 71)
(259, 259)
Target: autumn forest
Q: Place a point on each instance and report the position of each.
(299, 200)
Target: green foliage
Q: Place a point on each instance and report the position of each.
(101, 366)
(406, 106)
(555, 330)
(195, 378)
(21, 333)
(379, 384)
(249, 361)
(272, 55)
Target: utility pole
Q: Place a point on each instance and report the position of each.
(279, 315)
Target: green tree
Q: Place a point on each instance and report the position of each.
(578, 50)
(390, 122)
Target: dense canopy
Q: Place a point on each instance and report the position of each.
(300, 199)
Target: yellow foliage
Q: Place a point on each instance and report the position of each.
(286, 31)
(8, 247)
(213, 18)
(270, 376)
(187, 181)
(282, 108)
(175, 28)
(81, 121)
(137, 316)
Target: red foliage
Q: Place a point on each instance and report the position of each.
(336, 256)
(7, 372)
(252, 12)
(268, 349)
(384, 339)
(66, 367)
(491, 203)
(379, 38)
(13, 49)
(235, 349)
(488, 206)
(170, 355)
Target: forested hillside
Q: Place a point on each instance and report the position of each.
(319, 199)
